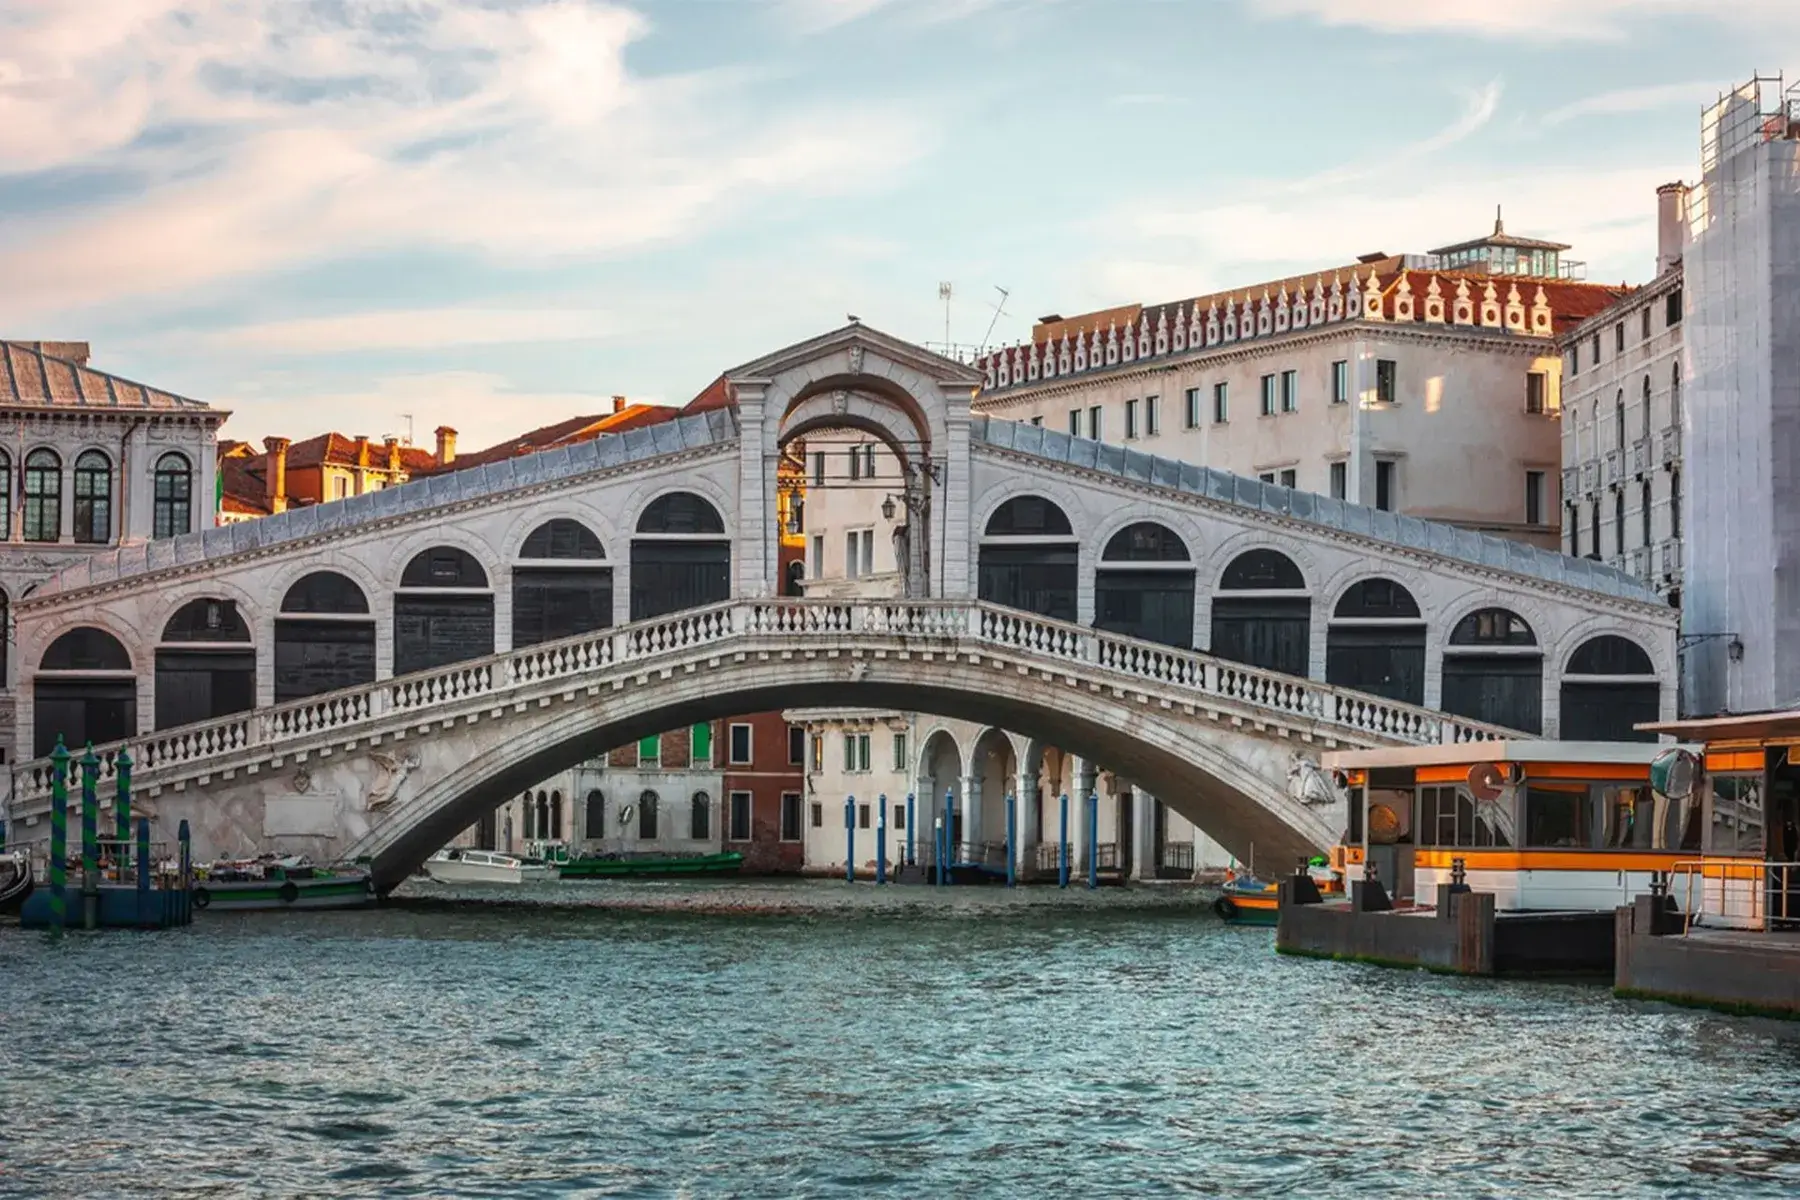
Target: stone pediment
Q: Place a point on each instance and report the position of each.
(866, 348)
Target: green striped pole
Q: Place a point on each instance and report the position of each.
(90, 839)
(59, 835)
(122, 811)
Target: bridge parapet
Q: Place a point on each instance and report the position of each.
(1159, 675)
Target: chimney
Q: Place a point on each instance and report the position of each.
(618, 405)
(392, 445)
(275, 473)
(362, 450)
(1671, 224)
(446, 445)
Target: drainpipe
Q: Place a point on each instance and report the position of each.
(125, 478)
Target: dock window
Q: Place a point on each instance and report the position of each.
(1449, 816)
(1556, 816)
(1737, 815)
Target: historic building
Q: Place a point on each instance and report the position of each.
(1621, 424)
(1423, 384)
(329, 466)
(96, 461)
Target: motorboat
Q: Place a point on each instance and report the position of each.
(453, 864)
(279, 881)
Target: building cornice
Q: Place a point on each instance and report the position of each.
(1656, 289)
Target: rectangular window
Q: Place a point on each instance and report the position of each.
(1595, 351)
(900, 818)
(849, 753)
(340, 488)
(1038, 420)
(1094, 430)
(1290, 391)
(1646, 331)
(1537, 386)
(862, 816)
(818, 816)
(868, 552)
(740, 816)
(900, 751)
(1190, 413)
(1340, 382)
(740, 745)
(1268, 395)
(700, 745)
(790, 816)
(1572, 519)
(1575, 359)
(1150, 416)
(818, 468)
(818, 556)
(818, 752)
(1619, 338)
(1674, 504)
(1534, 497)
(1131, 414)
(1557, 817)
(1387, 381)
(1340, 480)
(1074, 422)
(1672, 309)
(650, 751)
(868, 453)
(1644, 512)
(1267, 477)
(852, 552)
(1384, 485)
(1287, 478)
(796, 746)
(859, 748)
(856, 462)
(1737, 815)
(1221, 403)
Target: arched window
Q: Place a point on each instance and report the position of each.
(680, 558)
(646, 816)
(172, 505)
(1609, 687)
(1494, 671)
(556, 824)
(1262, 615)
(793, 579)
(93, 498)
(443, 612)
(1675, 394)
(1144, 586)
(6, 637)
(1376, 642)
(562, 585)
(700, 818)
(1619, 419)
(1028, 559)
(594, 816)
(205, 666)
(324, 637)
(85, 691)
(1646, 420)
(541, 828)
(43, 496)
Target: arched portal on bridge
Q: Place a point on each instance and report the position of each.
(562, 584)
(1608, 688)
(205, 664)
(1030, 558)
(1144, 586)
(324, 637)
(1494, 671)
(1263, 613)
(443, 611)
(680, 557)
(85, 690)
(1376, 641)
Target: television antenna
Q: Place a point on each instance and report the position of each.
(944, 295)
(408, 418)
(999, 311)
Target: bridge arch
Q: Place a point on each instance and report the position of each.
(1144, 584)
(443, 609)
(1609, 685)
(324, 635)
(680, 555)
(562, 581)
(1375, 640)
(84, 688)
(1493, 669)
(1262, 611)
(205, 663)
(1029, 558)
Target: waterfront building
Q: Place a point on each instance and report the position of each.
(289, 474)
(1741, 407)
(97, 462)
(1621, 422)
(1426, 384)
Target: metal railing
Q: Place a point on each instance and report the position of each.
(1737, 893)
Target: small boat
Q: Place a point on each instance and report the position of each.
(1246, 900)
(272, 882)
(453, 864)
(15, 881)
(658, 866)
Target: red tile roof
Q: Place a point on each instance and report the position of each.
(716, 394)
(567, 432)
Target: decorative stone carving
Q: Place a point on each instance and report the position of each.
(1309, 784)
(393, 770)
(302, 780)
(840, 400)
(856, 360)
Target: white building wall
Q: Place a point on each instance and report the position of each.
(848, 476)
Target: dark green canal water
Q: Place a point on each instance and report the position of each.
(820, 1040)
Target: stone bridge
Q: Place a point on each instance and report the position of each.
(367, 676)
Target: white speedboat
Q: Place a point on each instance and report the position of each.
(455, 865)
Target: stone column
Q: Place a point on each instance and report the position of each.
(1084, 775)
(969, 804)
(756, 499)
(1028, 800)
(952, 546)
(1143, 852)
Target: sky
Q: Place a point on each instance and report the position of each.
(495, 214)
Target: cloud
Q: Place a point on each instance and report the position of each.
(1478, 110)
(1638, 100)
(266, 134)
(818, 16)
(483, 407)
(415, 329)
(1536, 20)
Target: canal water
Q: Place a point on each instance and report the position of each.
(815, 1039)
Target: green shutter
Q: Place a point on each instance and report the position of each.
(702, 743)
(650, 749)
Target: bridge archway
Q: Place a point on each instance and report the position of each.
(1376, 641)
(562, 583)
(993, 775)
(940, 778)
(1608, 687)
(1144, 585)
(324, 637)
(1494, 670)
(443, 611)
(1262, 614)
(1030, 559)
(680, 556)
(205, 663)
(85, 690)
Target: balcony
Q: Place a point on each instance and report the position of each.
(1640, 457)
(1639, 563)
(1590, 478)
(1615, 466)
(1671, 445)
(1571, 482)
(1671, 557)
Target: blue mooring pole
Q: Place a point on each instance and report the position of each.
(912, 828)
(146, 918)
(1062, 856)
(937, 841)
(881, 839)
(1012, 834)
(849, 839)
(950, 826)
(1093, 846)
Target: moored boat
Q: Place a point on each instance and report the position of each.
(271, 882)
(659, 866)
(454, 864)
(15, 881)
(1245, 899)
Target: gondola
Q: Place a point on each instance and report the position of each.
(15, 882)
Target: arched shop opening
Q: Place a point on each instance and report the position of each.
(1376, 642)
(443, 611)
(680, 557)
(1608, 687)
(562, 584)
(324, 637)
(1494, 671)
(1144, 586)
(85, 691)
(205, 664)
(1263, 615)
(1028, 558)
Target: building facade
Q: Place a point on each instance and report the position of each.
(1741, 412)
(1422, 384)
(94, 461)
(1621, 421)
